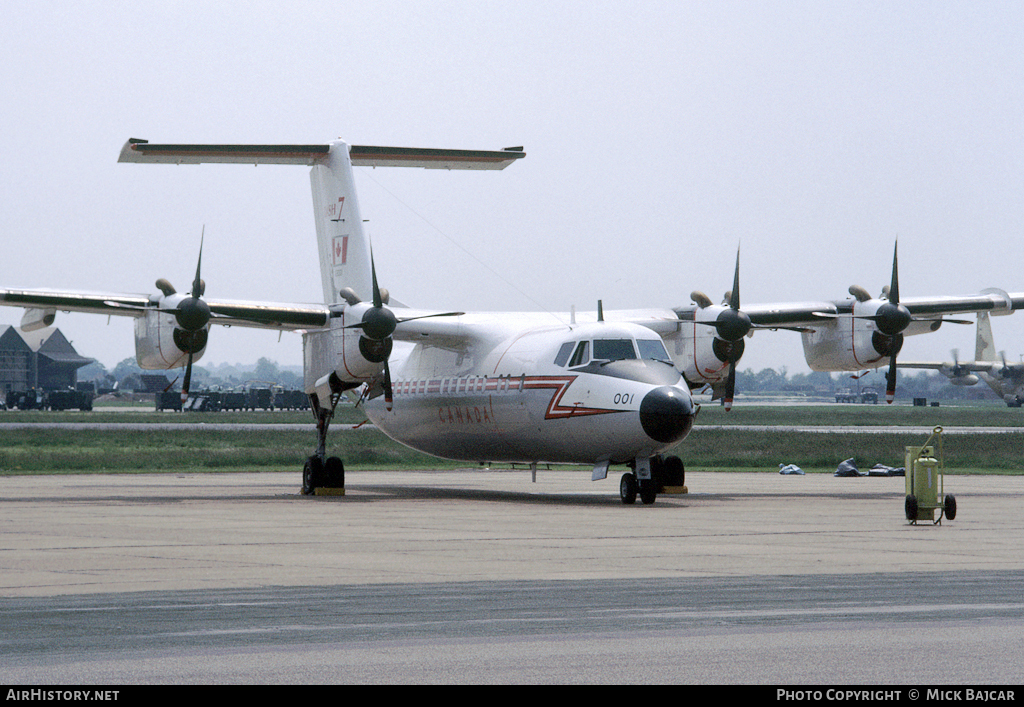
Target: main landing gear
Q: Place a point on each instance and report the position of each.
(323, 475)
(649, 477)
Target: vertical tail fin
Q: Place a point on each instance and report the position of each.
(343, 243)
(985, 346)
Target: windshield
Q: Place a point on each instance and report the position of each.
(653, 349)
(613, 349)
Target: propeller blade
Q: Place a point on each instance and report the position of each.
(363, 325)
(171, 384)
(890, 380)
(389, 398)
(197, 284)
(730, 387)
(378, 301)
(187, 381)
(891, 317)
(192, 313)
(428, 316)
(894, 286)
(734, 296)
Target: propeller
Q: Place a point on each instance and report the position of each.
(192, 315)
(957, 370)
(732, 325)
(1004, 372)
(892, 318)
(378, 323)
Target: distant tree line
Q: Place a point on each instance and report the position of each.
(126, 375)
(919, 384)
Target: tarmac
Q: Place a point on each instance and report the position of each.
(482, 576)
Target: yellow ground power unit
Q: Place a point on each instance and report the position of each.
(925, 483)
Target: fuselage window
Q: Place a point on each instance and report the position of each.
(563, 353)
(613, 349)
(582, 354)
(653, 349)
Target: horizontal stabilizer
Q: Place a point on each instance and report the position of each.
(364, 156)
(136, 150)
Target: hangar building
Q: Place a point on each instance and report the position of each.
(42, 359)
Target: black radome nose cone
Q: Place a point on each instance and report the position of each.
(666, 414)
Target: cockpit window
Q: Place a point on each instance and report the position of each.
(613, 349)
(582, 354)
(563, 353)
(653, 349)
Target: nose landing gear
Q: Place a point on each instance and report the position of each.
(651, 476)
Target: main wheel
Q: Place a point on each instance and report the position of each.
(312, 475)
(648, 491)
(950, 506)
(628, 488)
(673, 472)
(334, 473)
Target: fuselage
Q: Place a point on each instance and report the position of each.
(536, 393)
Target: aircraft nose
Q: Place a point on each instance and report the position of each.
(666, 414)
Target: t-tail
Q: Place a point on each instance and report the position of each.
(345, 263)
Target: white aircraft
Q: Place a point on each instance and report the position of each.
(591, 388)
(1006, 379)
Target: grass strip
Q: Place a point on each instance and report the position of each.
(26, 451)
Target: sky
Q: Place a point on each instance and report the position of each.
(660, 138)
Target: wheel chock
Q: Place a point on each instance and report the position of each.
(322, 491)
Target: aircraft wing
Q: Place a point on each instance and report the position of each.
(929, 365)
(43, 304)
(90, 302)
(966, 366)
(806, 314)
(454, 331)
(948, 367)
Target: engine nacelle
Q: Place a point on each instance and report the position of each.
(963, 379)
(852, 343)
(844, 344)
(340, 358)
(34, 319)
(702, 357)
(161, 344)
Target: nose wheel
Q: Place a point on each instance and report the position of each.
(630, 487)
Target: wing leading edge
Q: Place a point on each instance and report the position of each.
(262, 315)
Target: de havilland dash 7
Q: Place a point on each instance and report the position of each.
(597, 388)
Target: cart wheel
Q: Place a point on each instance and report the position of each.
(950, 506)
(910, 508)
